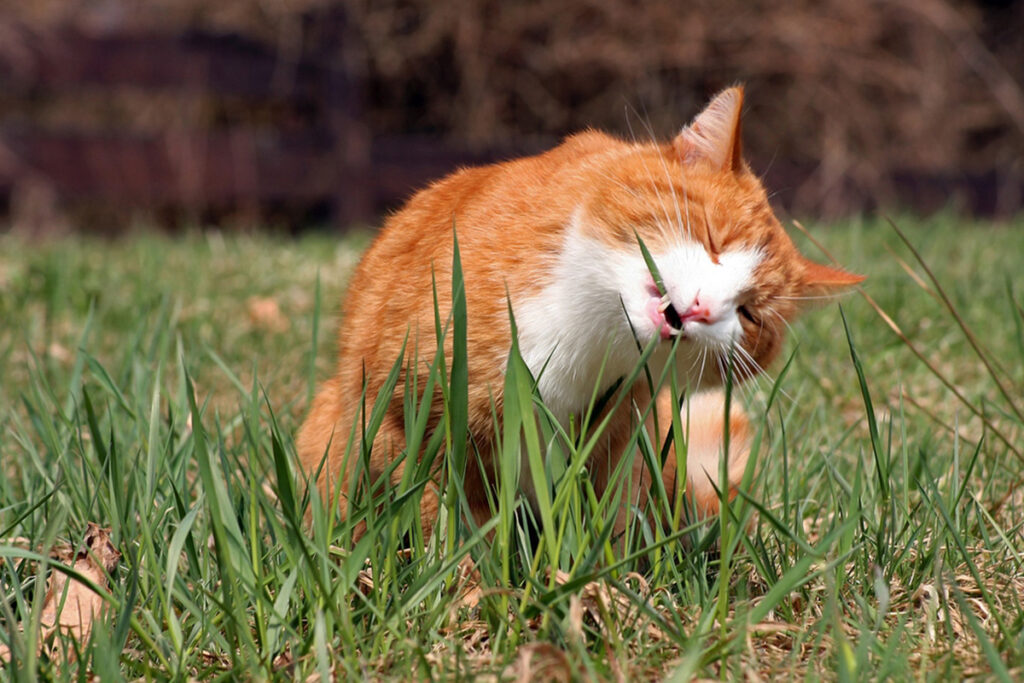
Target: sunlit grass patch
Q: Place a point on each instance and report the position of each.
(154, 387)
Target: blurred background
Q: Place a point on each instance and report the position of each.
(311, 113)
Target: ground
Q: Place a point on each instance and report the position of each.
(153, 385)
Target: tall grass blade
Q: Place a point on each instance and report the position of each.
(982, 354)
(652, 266)
(457, 408)
(881, 463)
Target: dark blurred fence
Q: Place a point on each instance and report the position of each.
(320, 160)
(335, 111)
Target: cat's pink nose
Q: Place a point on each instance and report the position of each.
(699, 312)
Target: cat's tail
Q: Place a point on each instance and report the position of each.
(704, 412)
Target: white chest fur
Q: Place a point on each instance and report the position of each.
(582, 330)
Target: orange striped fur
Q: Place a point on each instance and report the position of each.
(555, 235)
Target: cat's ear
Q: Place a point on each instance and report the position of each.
(715, 134)
(820, 280)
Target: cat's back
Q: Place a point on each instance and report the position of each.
(508, 217)
(522, 194)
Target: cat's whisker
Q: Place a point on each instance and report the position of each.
(746, 392)
(645, 119)
(749, 390)
(675, 199)
(722, 367)
(693, 365)
(661, 200)
(755, 374)
(747, 369)
(749, 362)
(760, 330)
(638, 151)
(703, 365)
(686, 213)
(781, 317)
(668, 175)
(664, 227)
(812, 297)
(631, 191)
(762, 374)
(737, 355)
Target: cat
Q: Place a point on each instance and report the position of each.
(555, 237)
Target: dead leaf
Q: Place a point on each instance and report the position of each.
(540, 662)
(264, 313)
(466, 586)
(603, 602)
(575, 625)
(71, 606)
(59, 353)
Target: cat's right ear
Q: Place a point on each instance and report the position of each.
(821, 280)
(715, 134)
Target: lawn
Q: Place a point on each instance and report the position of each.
(153, 386)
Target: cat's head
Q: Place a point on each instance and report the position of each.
(731, 275)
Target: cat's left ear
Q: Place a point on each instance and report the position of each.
(819, 280)
(715, 134)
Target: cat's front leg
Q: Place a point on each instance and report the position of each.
(703, 422)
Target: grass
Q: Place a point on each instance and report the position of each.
(154, 386)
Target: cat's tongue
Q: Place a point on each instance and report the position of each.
(657, 315)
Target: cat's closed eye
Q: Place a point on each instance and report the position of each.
(744, 311)
(713, 250)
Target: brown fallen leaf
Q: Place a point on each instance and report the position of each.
(602, 601)
(266, 314)
(59, 353)
(71, 606)
(541, 662)
(466, 586)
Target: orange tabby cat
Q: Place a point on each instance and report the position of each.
(556, 235)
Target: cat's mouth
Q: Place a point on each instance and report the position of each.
(672, 316)
(664, 315)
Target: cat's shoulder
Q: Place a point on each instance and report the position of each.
(589, 140)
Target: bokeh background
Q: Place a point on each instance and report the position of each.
(292, 114)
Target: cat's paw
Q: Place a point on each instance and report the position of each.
(704, 412)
